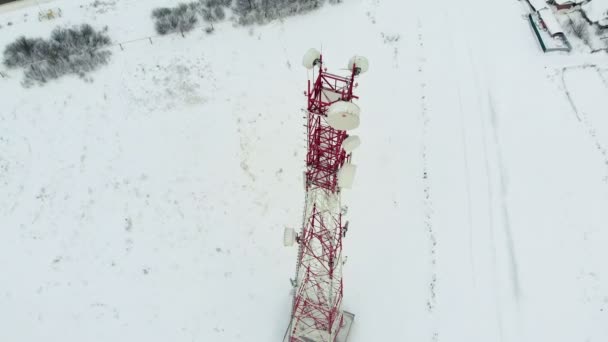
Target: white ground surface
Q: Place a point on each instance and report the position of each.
(149, 204)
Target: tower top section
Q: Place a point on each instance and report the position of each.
(325, 89)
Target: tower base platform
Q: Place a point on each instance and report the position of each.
(349, 319)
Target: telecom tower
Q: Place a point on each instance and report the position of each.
(316, 312)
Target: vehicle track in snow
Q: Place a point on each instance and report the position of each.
(583, 117)
(506, 217)
(465, 157)
(427, 193)
(471, 86)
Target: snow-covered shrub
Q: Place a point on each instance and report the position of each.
(22, 52)
(75, 50)
(246, 11)
(181, 19)
(217, 3)
(602, 34)
(212, 11)
(185, 16)
(250, 11)
(580, 28)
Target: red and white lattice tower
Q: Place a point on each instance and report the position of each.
(316, 313)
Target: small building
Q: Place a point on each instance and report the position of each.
(566, 4)
(549, 32)
(596, 12)
(549, 22)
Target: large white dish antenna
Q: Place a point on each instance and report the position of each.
(343, 115)
(351, 143)
(346, 176)
(311, 58)
(360, 63)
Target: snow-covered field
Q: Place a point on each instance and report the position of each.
(149, 204)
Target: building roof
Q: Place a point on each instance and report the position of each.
(538, 4)
(568, 2)
(551, 23)
(596, 11)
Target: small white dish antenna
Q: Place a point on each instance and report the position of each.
(311, 58)
(343, 116)
(289, 237)
(346, 176)
(360, 63)
(351, 143)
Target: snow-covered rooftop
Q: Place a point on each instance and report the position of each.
(538, 4)
(551, 23)
(597, 11)
(566, 2)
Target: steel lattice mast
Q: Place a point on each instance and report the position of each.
(316, 312)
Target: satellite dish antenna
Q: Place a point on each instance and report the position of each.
(343, 115)
(311, 58)
(360, 63)
(351, 143)
(346, 176)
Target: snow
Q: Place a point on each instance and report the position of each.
(150, 204)
(11, 6)
(596, 11)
